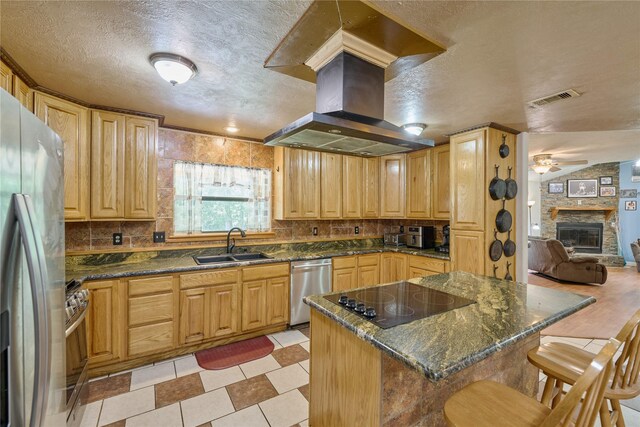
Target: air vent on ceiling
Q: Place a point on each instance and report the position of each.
(565, 94)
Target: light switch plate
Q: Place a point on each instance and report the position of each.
(315, 231)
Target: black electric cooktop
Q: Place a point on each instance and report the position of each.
(397, 303)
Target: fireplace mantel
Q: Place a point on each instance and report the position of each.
(607, 211)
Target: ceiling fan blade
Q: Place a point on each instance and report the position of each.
(554, 169)
(572, 162)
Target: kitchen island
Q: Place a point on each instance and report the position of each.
(364, 374)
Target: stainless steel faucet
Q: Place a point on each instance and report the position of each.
(230, 245)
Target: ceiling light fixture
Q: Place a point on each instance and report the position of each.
(541, 169)
(414, 128)
(173, 68)
(231, 129)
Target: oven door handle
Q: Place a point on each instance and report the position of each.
(77, 322)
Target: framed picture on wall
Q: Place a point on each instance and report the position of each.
(631, 193)
(607, 191)
(556, 187)
(606, 180)
(630, 205)
(581, 188)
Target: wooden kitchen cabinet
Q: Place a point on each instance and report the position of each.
(467, 251)
(392, 186)
(393, 267)
(368, 270)
(22, 92)
(277, 300)
(418, 192)
(140, 168)
(192, 315)
(151, 312)
(330, 185)
(254, 305)
(222, 310)
(419, 266)
(6, 77)
(467, 183)
(296, 184)
(440, 189)
(104, 321)
(371, 189)
(352, 187)
(71, 122)
(345, 273)
(265, 302)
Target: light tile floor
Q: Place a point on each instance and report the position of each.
(270, 392)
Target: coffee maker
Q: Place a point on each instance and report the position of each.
(444, 247)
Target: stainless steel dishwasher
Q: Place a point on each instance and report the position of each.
(308, 278)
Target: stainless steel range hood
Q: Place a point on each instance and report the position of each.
(349, 117)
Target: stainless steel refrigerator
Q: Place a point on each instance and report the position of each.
(32, 358)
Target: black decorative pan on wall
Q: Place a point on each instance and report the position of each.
(509, 246)
(504, 148)
(503, 219)
(497, 186)
(511, 186)
(495, 250)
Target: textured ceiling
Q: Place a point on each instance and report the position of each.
(499, 55)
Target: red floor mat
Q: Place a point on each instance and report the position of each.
(234, 354)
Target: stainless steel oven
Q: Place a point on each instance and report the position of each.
(76, 352)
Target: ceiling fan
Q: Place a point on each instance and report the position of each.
(543, 163)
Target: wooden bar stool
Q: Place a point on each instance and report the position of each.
(564, 363)
(490, 404)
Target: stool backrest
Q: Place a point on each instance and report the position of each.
(588, 390)
(627, 367)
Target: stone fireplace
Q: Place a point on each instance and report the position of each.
(584, 237)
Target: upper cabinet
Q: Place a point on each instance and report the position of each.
(16, 86)
(296, 184)
(419, 184)
(71, 122)
(6, 78)
(352, 187)
(371, 189)
(392, 186)
(467, 183)
(330, 185)
(123, 166)
(440, 190)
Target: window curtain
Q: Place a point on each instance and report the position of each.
(199, 185)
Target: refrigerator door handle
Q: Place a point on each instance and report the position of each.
(36, 264)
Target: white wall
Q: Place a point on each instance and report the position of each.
(522, 212)
(534, 188)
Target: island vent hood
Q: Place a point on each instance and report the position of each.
(350, 69)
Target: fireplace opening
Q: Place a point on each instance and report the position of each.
(585, 237)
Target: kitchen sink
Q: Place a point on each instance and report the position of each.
(215, 259)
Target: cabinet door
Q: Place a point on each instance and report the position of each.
(352, 186)
(393, 267)
(419, 184)
(371, 187)
(141, 168)
(330, 185)
(71, 122)
(392, 186)
(467, 181)
(222, 305)
(104, 323)
(368, 270)
(6, 77)
(254, 305)
(345, 279)
(400, 261)
(22, 93)
(440, 190)
(301, 184)
(467, 251)
(192, 315)
(277, 300)
(107, 165)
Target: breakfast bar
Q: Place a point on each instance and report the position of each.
(419, 341)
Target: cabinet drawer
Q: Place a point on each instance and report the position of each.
(250, 274)
(344, 262)
(369, 260)
(150, 338)
(431, 264)
(150, 309)
(150, 285)
(217, 277)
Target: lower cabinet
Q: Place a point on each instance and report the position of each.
(192, 317)
(467, 251)
(419, 266)
(393, 267)
(104, 324)
(368, 270)
(254, 305)
(221, 303)
(345, 273)
(265, 302)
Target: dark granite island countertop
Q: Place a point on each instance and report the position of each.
(504, 313)
(409, 371)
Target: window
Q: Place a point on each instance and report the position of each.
(213, 198)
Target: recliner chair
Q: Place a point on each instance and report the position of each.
(635, 249)
(549, 257)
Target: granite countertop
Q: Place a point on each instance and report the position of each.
(505, 312)
(116, 265)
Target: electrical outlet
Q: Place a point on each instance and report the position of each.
(158, 237)
(579, 202)
(402, 228)
(117, 238)
(357, 230)
(315, 231)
